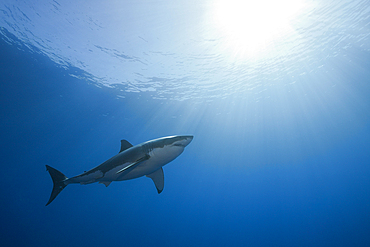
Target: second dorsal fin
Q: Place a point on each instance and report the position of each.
(125, 145)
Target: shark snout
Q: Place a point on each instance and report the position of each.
(187, 140)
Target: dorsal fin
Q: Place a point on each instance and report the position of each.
(125, 145)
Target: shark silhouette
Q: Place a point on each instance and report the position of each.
(145, 159)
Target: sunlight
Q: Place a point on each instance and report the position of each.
(249, 27)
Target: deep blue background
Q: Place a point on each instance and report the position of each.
(48, 117)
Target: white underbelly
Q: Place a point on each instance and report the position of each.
(158, 158)
(145, 168)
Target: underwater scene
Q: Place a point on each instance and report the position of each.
(185, 123)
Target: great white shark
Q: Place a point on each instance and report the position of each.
(145, 159)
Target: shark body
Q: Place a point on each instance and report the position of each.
(145, 159)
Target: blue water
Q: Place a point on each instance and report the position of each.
(280, 155)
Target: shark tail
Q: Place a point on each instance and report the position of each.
(58, 181)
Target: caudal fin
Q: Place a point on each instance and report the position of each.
(58, 180)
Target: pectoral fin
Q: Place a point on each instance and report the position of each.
(133, 165)
(158, 179)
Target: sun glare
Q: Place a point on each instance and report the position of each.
(248, 27)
